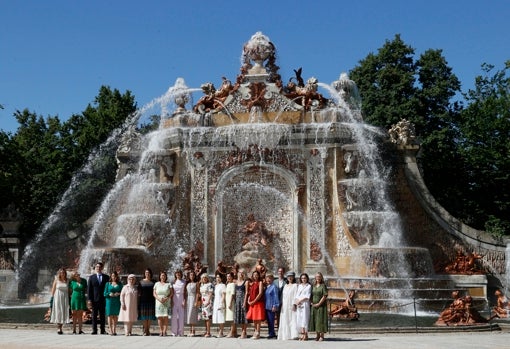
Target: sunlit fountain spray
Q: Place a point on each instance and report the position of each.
(259, 169)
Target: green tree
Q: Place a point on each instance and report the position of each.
(90, 129)
(7, 175)
(464, 150)
(439, 157)
(40, 159)
(386, 82)
(485, 146)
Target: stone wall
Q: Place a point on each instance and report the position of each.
(427, 224)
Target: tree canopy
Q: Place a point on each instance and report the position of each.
(38, 162)
(464, 150)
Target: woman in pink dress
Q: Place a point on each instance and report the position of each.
(178, 304)
(129, 304)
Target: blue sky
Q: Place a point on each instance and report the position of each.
(55, 55)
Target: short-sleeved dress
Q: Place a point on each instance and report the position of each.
(112, 301)
(60, 308)
(257, 310)
(191, 308)
(146, 305)
(319, 316)
(230, 301)
(303, 310)
(218, 304)
(239, 312)
(162, 290)
(79, 294)
(206, 293)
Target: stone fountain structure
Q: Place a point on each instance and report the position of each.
(264, 169)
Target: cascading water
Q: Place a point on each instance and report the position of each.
(134, 218)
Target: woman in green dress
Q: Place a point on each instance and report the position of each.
(319, 313)
(78, 289)
(112, 291)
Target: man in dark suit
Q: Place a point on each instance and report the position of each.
(95, 293)
(280, 282)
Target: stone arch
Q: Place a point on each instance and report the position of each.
(267, 191)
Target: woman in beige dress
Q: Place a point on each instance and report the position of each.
(60, 300)
(129, 304)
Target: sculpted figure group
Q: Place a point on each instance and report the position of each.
(461, 312)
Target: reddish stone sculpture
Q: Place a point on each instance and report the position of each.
(190, 262)
(502, 308)
(346, 309)
(461, 313)
(464, 264)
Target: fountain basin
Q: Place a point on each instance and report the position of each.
(391, 262)
(124, 260)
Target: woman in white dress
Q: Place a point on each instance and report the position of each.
(178, 304)
(287, 326)
(162, 295)
(230, 302)
(218, 316)
(191, 303)
(206, 298)
(60, 300)
(302, 303)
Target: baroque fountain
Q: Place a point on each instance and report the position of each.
(264, 169)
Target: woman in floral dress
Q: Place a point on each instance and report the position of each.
(206, 295)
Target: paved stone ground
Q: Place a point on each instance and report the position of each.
(17, 336)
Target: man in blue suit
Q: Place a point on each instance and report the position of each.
(95, 293)
(272, 304)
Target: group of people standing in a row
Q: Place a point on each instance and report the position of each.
(236, 300)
